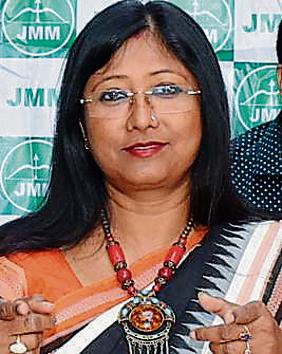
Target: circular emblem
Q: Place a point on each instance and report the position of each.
(257, 98)
(146, 321)
(25, 174)
(146, 318)
(214, 17)
(38, 27)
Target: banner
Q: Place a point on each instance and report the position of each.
(35, 37)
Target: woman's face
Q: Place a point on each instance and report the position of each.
(133, 150)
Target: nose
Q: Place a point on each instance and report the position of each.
(141, 114)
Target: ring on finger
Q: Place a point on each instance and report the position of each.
(18, 347)
(246, 337)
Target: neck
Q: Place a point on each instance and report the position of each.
(150, 220)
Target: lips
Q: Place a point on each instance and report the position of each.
(145, 149)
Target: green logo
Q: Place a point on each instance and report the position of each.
(38, 27)
(257, 98)
(215, 17)
(263, 23)
(25, 173)
(33, 97)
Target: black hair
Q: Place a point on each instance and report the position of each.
(279, 43)
(77, 189)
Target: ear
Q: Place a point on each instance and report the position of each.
(279, 77)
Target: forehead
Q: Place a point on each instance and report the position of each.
(141, 57)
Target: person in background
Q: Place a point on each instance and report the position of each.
(257, 159)
(141, 240)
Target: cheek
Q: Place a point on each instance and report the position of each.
(104, 142)
(95, 137)
(189, 136)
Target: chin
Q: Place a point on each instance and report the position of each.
(148, 182)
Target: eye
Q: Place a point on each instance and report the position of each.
(113, 96)
(166, 91)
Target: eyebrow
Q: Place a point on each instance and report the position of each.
(120, 76)
(108, 78)
(168, 71)
(163, 72)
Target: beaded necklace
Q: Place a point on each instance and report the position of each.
(146, 320)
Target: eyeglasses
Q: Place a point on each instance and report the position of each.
(163, 99)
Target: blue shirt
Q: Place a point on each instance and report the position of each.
(256, 169)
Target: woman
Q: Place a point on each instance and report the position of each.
(140, 156)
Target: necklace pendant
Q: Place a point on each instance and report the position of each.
(147, 321)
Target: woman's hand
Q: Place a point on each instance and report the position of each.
(248, 329)
(25, 319)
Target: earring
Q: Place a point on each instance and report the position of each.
(84, 137)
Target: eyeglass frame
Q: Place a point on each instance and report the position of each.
(147, 94)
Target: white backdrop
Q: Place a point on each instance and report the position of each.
(34, 38)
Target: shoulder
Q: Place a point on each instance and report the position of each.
(26, 259)
(253, 137)
(259, 228)
(253, 233)
(17, 270)
(12, 279)
(249, 243)
(267, 229)
(258, 153)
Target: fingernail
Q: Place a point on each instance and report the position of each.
(202, 294)
(48, 304)
(229, 318)
(38, 297)
(193, 335)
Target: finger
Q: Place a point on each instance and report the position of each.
(39, 305)
(22, 307)
(7, 310)
(250, 312)
(35, 303)
(32, 323)
(218, 306)
(228, 347)
(220, 333)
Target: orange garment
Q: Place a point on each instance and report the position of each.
(49, 273)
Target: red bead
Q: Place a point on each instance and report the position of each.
(132, 291)
(115, 253)
(183, 241)
(165, 273)
(175, 254)
(157, 287)
(123, 275)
